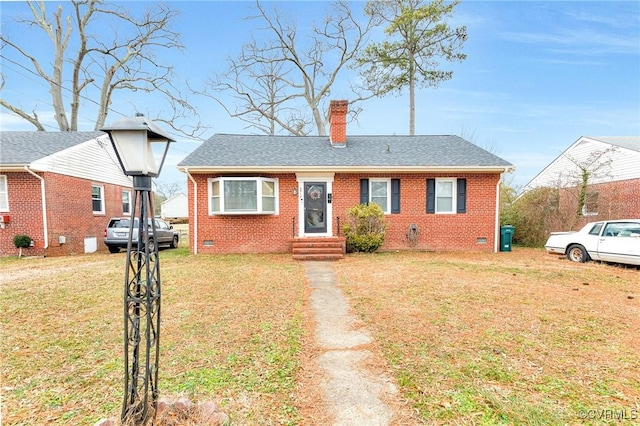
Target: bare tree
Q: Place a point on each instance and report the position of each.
(280, 82)
(566, 202)
(471, 135)
(168, 189)
(536, 213)
(102, 65)
(596, 166)
(165, 191)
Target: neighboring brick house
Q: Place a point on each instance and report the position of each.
(59, 188)
(612, 164)
(287, 193)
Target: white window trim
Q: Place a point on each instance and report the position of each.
(126, 213)
(102, 203)
(4, 193)
(388, 182)
(258, 180)
(454, 195)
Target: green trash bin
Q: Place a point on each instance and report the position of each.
(506, 237)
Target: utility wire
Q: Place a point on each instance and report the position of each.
(40, 78)
(58, 85)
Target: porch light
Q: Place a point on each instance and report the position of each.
(134, 140)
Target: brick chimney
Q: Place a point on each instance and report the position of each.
(338, 123)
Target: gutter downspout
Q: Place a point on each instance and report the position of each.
(496, 242)
(43, 193)
(195, 211)
(496, 245)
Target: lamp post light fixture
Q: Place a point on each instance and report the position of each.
(133, 140)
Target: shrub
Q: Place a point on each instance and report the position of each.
(22, 241)
(365, 228)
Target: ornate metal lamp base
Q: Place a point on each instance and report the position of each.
(141, 312)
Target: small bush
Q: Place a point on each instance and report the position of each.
(365, 228)
(22, 241)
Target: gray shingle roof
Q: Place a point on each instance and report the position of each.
(17, 148)
(629, 142)
(243, 151)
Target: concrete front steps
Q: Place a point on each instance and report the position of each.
(318, 248)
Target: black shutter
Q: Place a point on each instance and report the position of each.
(364, 191)
(431, 195)
(395, 195)
(462, 196)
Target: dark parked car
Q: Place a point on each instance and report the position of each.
(116, 235)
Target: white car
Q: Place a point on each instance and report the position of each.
(609, 241)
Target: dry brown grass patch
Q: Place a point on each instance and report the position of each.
(230, 333)
(520, 337)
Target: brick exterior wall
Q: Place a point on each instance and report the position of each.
(272, 233)
(69, 213)
(616, 200)
(25, 212)
(338, 122)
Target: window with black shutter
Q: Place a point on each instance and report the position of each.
(461, 202)
(395, 195)
(446, 195)
(384, 192)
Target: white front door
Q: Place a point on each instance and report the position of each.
(314, 205)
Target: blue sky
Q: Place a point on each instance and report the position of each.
(538, 75)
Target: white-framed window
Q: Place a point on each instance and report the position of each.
(445, 195)
(590, 206)
(126, 202)
(97, 199)
(380, 193)
(4, 194)
(383, 192)
(243, 195)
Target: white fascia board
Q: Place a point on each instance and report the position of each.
(7, 168)
(348, 169)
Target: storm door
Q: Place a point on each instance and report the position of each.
(315, 207)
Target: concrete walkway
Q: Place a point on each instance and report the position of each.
(352, 394)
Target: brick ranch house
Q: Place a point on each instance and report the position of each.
(258, 193)
(59, 188)
(613, 188)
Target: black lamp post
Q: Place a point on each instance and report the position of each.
(133, 140)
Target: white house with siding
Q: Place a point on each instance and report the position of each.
(176, 207)
(622, 153)
(613, 163)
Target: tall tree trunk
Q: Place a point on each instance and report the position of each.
(412, 95)
(76, 86)
(317, 117)
(582, 192)
(60, 41)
